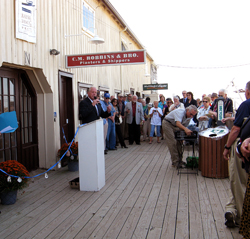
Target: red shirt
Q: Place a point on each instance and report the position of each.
(134, 108)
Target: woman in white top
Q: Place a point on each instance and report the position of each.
(155, 114)
(177, 104)
(201, 116)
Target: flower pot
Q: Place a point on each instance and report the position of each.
(73, 166)
(8, 198)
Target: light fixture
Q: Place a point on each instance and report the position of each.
(96, 39)
(54, 52)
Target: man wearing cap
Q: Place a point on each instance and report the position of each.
(111, 135)
(134, 113)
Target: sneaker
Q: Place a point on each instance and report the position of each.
(230, 219)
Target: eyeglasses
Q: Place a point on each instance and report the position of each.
(204, 101)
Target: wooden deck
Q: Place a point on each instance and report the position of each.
(143, 198)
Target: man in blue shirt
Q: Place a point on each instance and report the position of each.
(237, 175)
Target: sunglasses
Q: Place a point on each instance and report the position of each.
(204, 101)
(220, 95)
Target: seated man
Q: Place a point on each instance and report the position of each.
(177, 120)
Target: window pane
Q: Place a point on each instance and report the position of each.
(12, 103)
(30, 119)
(29, 104)
(1, 142)
(0, 85)
(1, 156)
(25, 123)
(7, 155)
(7, 140)
(6, 103)
(12, 81)
(30, 135)
(5, 86)
(14, 154)
(13, 139)
(88, 18)
(26, 135)
(25, 103)
(1, 110)
(22, 120)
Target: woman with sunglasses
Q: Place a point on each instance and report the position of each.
(201, 116)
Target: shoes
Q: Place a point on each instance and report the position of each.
(130, 143)
(150, 142)
(124, 146)
(105, 151)
(138, 143)
(158, 142)
(230, 220)
(162, 138)
(113, 149)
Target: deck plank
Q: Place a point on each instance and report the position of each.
(143, 197)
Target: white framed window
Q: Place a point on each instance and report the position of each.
(88, 18)
(124, 45)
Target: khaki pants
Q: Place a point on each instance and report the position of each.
(146, 129)
(238, 181)
(174, 147)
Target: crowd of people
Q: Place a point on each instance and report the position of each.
(136, 120)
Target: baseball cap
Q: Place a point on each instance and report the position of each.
(107, 95)
(150, 105)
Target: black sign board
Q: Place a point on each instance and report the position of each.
(163, 86)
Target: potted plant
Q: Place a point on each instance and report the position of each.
(8, 184)
(71, 156)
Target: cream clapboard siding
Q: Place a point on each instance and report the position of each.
(55, 19)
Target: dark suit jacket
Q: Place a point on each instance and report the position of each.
(182, 100)
(88, 111)
(123, 107)
(193, 102)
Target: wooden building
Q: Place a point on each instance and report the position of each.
(35, 82)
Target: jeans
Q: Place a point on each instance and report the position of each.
(158, 129)
(111, 135)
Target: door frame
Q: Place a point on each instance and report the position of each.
(70, 76)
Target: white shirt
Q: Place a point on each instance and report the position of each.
(156, 119)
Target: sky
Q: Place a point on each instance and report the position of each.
(199, 46)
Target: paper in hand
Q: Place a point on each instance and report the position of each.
(8, 122)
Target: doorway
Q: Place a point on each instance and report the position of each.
(66, 107)
(17, 94)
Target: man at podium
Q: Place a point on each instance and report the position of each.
(90, 108)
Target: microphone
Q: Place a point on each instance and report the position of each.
(96, 99)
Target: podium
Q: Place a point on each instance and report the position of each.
(91, 156)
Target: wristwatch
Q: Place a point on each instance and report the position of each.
(228, 148)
